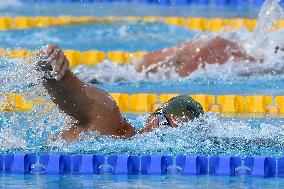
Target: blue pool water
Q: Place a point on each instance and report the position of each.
(16, 8)
(212, 135)
(137, 181)
(208, 85)
(266, 78)
(128, 37)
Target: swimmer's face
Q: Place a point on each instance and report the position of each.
(171, 119)
(174, 120)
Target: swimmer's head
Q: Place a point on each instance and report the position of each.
(181, 107)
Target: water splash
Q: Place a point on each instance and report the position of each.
(270, 12)
(209, 135)
(28, 130)
(103, 72)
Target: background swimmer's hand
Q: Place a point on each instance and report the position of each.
(52, 58)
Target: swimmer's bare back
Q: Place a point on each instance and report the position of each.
(187, 57)
(90, 107)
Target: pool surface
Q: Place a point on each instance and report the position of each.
(211, 135)
(16, 8)
(240, 78)
(138, 181)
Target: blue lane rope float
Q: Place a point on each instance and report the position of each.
(259, 166)
(236, 3)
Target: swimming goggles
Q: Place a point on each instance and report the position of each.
(163, 121)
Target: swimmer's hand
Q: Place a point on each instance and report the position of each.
(52, 59)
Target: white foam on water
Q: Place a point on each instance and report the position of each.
(9, 140)
(29, 129)
(112, 72)
(208, 135)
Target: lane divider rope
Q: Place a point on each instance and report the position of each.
(258, 166)
(241, 4)
(148, 102)
(75, 57)
(194, 23)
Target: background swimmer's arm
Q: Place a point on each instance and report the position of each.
(220, 50)
(186, 57)
(149, 61)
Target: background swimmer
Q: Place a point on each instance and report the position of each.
(187, 57)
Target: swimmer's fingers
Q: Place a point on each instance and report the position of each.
(42, 55)
(57, 66)
(47, 56)
(65, 66)
(63, 69)
(151, 124)
(47, 50)
(54, 53)
(58, 63)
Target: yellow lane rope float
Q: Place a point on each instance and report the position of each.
(149, 102)
(194, 23)
(88, 58)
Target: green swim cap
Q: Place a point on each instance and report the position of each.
(180, 104)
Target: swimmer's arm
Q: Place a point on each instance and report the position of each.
(67, 91)
(151, 124)
(71, 96)
(92, 108)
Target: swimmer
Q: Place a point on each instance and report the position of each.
(93, 109)
(187, 57)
